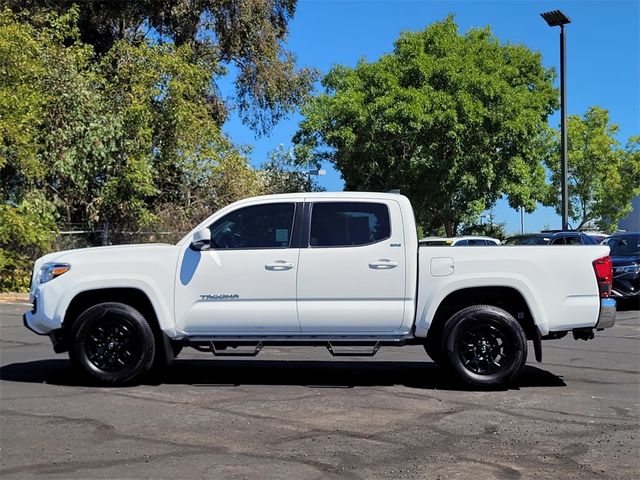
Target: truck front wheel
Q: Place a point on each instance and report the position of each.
(484, 346)
(112, 343)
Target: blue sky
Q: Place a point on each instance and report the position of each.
(603, 59)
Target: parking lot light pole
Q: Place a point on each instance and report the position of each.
(313, 171)
(556, 18)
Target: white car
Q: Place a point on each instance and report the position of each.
(467, 240)
(341, 270)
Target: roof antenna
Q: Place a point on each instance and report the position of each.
(394, 190)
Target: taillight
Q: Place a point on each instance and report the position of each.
(604, 275)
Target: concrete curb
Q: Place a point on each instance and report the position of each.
(14, 297)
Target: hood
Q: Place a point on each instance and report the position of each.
(67, 256)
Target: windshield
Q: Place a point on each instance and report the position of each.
(624, 245)
(532, 240)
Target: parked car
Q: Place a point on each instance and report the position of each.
(551, 238)
(599, 237)
(467, 240)
(340, 270)
(625, 256)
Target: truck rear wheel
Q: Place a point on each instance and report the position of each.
(112, 343)
(484, 346)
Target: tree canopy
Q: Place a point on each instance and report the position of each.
(603, 177)
(247, 35)
(454, 121)
(110, 113)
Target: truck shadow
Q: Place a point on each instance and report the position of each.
(627, 304)
(312, 374)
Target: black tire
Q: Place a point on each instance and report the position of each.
(112, 343)
(484, 346)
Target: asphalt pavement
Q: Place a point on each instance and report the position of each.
(299, 413)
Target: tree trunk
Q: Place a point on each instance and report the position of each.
(449, 227)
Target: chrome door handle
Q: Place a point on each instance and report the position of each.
(278, 266)
(383, 264)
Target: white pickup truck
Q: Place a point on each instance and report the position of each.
(341, 270)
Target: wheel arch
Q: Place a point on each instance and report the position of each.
(505, 297)
(131, 296)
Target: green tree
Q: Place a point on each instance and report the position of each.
(109, 112)
(286, 172)
(229, 180)
(603, 177)
(27, 215)
(454, 121)
(489, 229)
(77, 129)
(124, 112)
(26, 232)
(245, 35)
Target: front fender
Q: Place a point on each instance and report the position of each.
(145, 284)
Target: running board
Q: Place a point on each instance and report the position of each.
(337, 345)
(353, 350)
(302, 340)
(220, 349)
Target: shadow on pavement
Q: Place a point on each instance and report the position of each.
(316, 374)
(627, 304)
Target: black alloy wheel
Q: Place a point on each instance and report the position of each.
(112, 346)
(112, 343)
(483, 349)
(484, 346)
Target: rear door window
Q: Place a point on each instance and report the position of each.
(344, 224)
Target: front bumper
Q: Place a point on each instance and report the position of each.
(26, 319)
(42, 318)
(56, 336)
(607, 316)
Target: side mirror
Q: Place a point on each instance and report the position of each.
(201, 240)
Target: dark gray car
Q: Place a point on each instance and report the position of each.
(551, 238)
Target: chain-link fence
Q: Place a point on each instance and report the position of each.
(15, 270)
(73, 236)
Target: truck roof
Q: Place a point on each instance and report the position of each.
(345, 195)
(300, 196)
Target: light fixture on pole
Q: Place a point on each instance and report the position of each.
(313, 171)
(556, 18)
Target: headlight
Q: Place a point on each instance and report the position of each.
(49, 271)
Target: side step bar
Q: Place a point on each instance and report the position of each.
(227, 345)
(353, 350)
(300, 340)
(223, 350)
